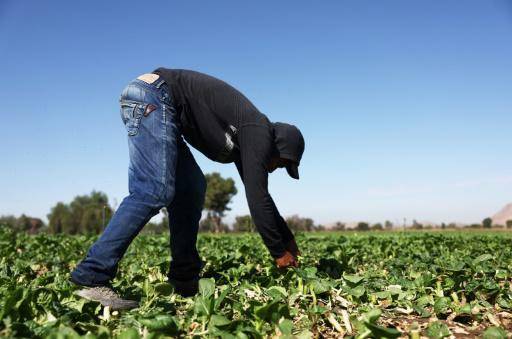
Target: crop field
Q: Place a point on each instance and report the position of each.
(361, 285)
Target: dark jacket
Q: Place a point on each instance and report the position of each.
(225, 126)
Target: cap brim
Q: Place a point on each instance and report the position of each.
(293, 170)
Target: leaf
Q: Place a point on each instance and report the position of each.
(354, 279)
(438, 329)
(130, 333)
(161, 322)
(494, 332)
(277, 292)
(320, 286)
(482, 258)
(218, 320)
(204, 306)
(383, 294)
(422, 312)
(272, 311)
(164, 288)
(373, 315)
(222, 296)
(442, 305)
(382, 332)
(285, 326)
(206, 287)
(357, 291)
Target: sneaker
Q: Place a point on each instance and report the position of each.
(107, 297)
(186, 288)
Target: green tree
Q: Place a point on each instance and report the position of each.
(339, 226)
(59, 219)
(509, 223)
(211, 224)
(296, 223)
(24, 223)
(377, 227)
(416, 225)
(243, 223)
(487, 223)
(85, 214)
(219, 192)
(388, 225)
(474, 226)
(8, 220)
(363, 226)
(28, 224)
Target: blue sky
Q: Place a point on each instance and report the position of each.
(405, 106)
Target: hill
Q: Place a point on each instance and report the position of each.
(502, 216)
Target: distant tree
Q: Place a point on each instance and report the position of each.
(83, 215)
(219, 193)
(339, 226)
(509, 223)
(59, 219)
(23, 223)
(28, 224)
(211, 224)
(474, 226)
(377, 227)
(296, 223)
(243, 223)
(363, 226)
(320, 228)
(8, 220)
(487, 223)
(451, 225)
(388, 225)
(207, 225)
(416, 225)
(87, 212)
(443, 226)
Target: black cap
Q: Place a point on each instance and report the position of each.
(290, 145)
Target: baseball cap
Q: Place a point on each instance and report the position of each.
(290, 145)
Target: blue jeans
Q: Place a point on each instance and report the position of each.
(162, 173)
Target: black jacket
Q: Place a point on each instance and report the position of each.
(225, 126)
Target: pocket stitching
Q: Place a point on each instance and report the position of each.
(137, 113)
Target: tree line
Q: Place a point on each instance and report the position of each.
(91, 213)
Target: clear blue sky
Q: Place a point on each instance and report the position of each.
(405, 106)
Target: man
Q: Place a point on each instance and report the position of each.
(159, 109)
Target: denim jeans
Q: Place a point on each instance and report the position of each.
(162, 172)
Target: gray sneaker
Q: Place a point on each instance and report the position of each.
(107, 297)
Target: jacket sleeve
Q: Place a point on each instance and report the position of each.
(256, 149)
(284, 230)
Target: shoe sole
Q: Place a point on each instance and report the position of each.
(120, 304)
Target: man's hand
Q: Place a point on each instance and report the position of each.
(291, 247)
(286, 260)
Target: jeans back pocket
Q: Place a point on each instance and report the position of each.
(131, 114)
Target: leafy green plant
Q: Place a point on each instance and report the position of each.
(357, 285)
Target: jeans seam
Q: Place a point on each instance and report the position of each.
(165, 146)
